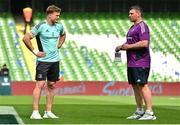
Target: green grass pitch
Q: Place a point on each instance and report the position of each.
(95, 109)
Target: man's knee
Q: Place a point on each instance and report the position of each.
(40, 84)
(51, 85)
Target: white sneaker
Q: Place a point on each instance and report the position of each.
(148, 116)
(35, 115)
(49, 115)
(136, 115)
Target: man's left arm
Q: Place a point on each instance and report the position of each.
(61, 40)
(143, 42)
(137, 45)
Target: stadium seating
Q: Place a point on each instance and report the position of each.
(10, 50)
(164, 37)
(164, 31)
(83, 63)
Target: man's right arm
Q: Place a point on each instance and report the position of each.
(27, 41)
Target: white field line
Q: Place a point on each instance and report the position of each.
(10, 110)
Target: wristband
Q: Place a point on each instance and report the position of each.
(35, 52)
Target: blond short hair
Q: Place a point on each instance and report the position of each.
(53, 8)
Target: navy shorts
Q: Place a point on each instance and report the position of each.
(47, 71)
(138, 75)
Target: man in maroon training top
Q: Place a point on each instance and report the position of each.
(138, 64)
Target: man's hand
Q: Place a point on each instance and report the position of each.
(125, 47)
(39, 53)
(118, 48)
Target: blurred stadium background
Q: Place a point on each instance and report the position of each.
(94, 28)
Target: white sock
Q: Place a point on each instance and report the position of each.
(35, 111)
(149, 111)
(140, 109)
(48, 111)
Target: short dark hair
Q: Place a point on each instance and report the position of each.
(136, 7)
(53, 8)
(4, 65)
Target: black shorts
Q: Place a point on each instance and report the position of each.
(138, 75)
(47, 70)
